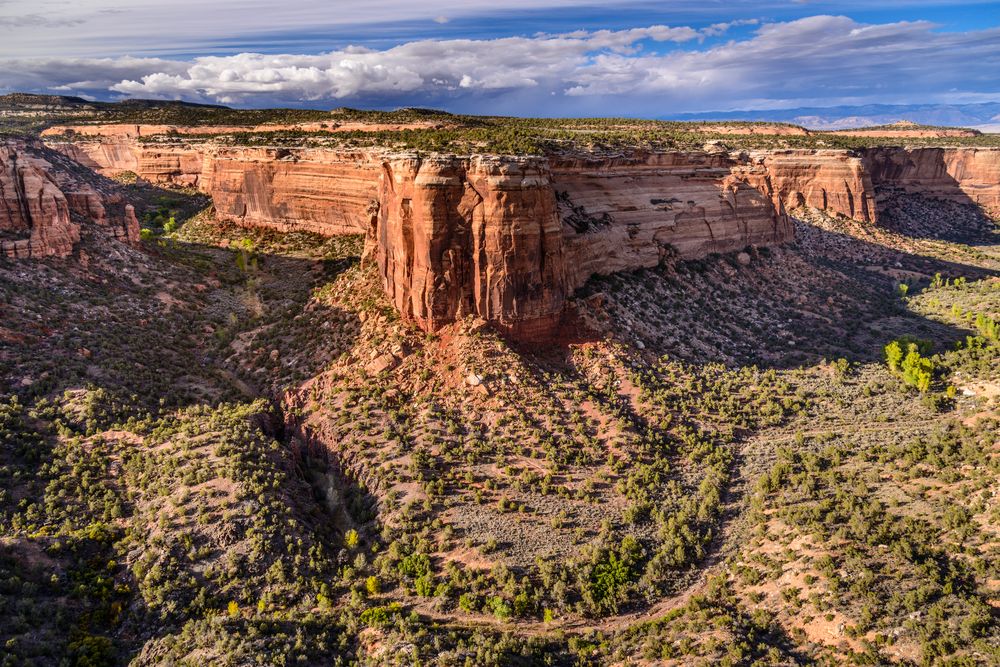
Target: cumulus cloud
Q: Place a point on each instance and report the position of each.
(79, 74)
(421, 66)
(658, 68)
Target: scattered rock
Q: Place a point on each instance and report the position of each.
(382, 363)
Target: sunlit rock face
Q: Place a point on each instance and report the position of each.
(509, 239)
(45, 199)
(964, 175)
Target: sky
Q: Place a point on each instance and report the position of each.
(516, 57)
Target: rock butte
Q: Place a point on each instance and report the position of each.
(509, 239)
(45, 199)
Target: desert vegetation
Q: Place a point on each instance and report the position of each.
(227, 447)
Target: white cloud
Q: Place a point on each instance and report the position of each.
(821, 57)
(99, 28)
(158, 27)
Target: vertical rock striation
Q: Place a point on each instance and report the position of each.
(45, 200)
(830, 180)
(471, 236)
(314, 190)
(964, 175)
(509, 239)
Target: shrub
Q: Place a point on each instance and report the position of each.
(905, 357)
(351, 539)
(376, 617)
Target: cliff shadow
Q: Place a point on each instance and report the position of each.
(115, 333)
(172, 325)
(950, 214)
(159, 208)
(826, 295)
(957, 219)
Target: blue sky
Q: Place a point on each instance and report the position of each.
(533, 57)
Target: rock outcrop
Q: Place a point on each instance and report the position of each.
(964, 175)
(472, 236)
(625, 213)
(164, 164)
(316, 190)
(509, 239)
(830, 180)
(45, 198)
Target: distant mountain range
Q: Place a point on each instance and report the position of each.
(984, 116)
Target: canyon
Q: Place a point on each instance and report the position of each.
(510, 239)
(47, 197)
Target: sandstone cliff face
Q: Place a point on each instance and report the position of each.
(169, 164)
(316, 190)
(471, 236)
(830, 180)
(625, 213)
(510, 239)
(965, 175)
(44, 202)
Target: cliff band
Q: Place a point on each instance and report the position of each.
(509, 239)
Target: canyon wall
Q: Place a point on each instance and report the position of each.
(45, 199)
(626, 212)
(164, 164)
(830, 180)
(313, 190)
(472, 236)
(509, 239)
(964, 175)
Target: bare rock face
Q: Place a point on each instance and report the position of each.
(831, 180)
(509, 239)
(629, 212)
(165, 164)
(314, 190)
(471, 236)
(964, 175)
(45, 200)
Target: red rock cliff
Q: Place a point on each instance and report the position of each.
(167, 164)
(471, 236)
(965, 175)
(624, 213)
(830, 180)
(510, 239)
(316, 190)
(45, 198)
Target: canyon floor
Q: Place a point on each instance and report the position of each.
(224, 447)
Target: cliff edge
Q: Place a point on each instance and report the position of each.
(510, 238)
(46, 197)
